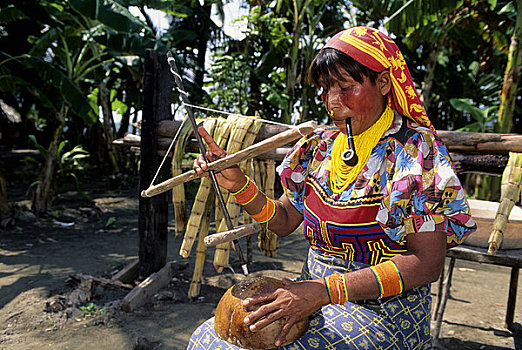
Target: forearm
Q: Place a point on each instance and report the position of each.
(280, 216)
(363, 284)
(422, 264)
(285, 219)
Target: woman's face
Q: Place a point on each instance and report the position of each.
(362, 102)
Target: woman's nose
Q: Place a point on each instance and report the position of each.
(333, 97)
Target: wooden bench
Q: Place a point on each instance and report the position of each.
(509, 258)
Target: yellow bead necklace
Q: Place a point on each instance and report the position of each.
(342, 175)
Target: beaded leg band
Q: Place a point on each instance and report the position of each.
(389, 278)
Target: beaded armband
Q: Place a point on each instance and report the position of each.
(267, 213)
(336, 287)
(389, 278)
(247, 193)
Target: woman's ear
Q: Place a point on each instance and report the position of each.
(384, 82)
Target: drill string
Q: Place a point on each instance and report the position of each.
(249, 152)
(226, 215)
(186, 104)
(174, 139)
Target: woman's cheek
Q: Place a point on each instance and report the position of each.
(356, 99)
(347, 97)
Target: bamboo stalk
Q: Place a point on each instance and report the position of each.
(195, 217)
(247, 167)
(235, 143)
(220, 134)
(265, 176)
(262, 237)
(233, 159)
(510, 191)
(178, 192)
(197, 209)
(273, 243)
(201, 249)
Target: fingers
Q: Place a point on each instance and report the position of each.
(269, 315)
(249, 302)
(212, 145)
(284, 331)
(199, 164)
(268, 318)
(267, 308)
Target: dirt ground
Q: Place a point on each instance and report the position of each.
(100, 236)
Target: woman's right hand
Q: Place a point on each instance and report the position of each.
(231, 178)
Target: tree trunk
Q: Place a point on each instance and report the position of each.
(45, 189)
(107, 125)
(428, 82)
(291, 80)
(491, 185)
(124, 124)
(509, 89)
(5, 211)
(153, 212)
(202, 45)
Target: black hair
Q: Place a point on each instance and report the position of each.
(329, 64)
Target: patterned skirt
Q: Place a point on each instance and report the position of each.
(398, 322)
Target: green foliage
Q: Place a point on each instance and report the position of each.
(57, 52)
(227, 80)
(69, 164)
(110, 221)
(10, 13)
(91, 310)
(111, 14)
(484, 118)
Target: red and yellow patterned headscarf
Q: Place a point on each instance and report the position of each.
(377, 51)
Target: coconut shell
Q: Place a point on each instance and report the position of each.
(230, 313)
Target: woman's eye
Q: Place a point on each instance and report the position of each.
(346, 88)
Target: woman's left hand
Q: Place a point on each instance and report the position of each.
(292, 302)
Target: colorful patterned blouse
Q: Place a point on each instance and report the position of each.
(408, 185)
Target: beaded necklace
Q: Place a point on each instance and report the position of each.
(342, 175)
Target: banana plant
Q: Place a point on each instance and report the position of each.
(484, 117)
(69, 164)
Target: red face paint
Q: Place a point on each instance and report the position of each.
(362, 102)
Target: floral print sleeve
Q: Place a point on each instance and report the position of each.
(423, 192)
(294, 168)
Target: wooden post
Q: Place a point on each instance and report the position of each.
(512, 298)
(153, 212)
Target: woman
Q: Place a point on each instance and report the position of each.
(378, 230)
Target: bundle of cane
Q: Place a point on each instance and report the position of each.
(221, 133)
(510, 191)
(267, 241)
(273, 242)
(201, 249)
(247, 167)
(219, 129)
(178, 192)
(235, 143)
(198, 207)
